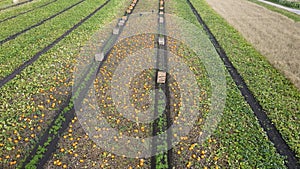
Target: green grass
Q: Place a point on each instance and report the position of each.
(286, 13)
(287, 3)
(8, 3)
(277, 95)
(5, 3)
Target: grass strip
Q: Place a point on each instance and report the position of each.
(291, 4)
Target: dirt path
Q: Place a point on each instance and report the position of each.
(274, 35)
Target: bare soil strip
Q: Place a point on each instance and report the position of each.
(274, 35)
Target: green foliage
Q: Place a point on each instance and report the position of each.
(242, 141)
(277, 95)
(287, 3)
(288, 14)
(161, 161)
(5, 3)
(15, 95)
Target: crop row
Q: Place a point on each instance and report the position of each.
(238, 133)
(20, 23)
(30, 100)
(277, 95)
(238, 141)
(60, 123)
(24, 8)
(26, 11)
(6, 4)
(233, 144)
(140, 88)
(162, 105)
(17, 51)
(80, 156)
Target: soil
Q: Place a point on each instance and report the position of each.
(275, 36)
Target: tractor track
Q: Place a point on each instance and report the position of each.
(69, 115)
(273, 134)
(25, 12)
(11, 37)
(15, 5)
(162, 65)
(166, 90)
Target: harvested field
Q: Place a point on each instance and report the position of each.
(274, 35)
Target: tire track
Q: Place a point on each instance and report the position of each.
(166, 88)
(22, 13)
(270, 129)
(11, 37)
(162, 65)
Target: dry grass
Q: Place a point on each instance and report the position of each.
(274, 35)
